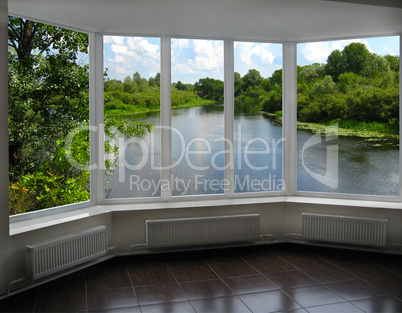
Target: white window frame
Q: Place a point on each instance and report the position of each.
(346, 196)
(289, 129)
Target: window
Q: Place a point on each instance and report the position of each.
(258, 117)
(48, 116)
(132, 117)
(197, 117)
(348, 117)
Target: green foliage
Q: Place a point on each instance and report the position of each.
(210, 88)
(393, 62)
(359, 86)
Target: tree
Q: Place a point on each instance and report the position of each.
(48, 89)
(252, 78)
(48, 98)
(355, 57)
(335, 65)
(393, 62)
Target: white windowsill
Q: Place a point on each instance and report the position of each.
(18, 227)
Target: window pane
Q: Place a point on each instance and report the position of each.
(197, 117)
(258, 117)
(132, 117)
(48, 116)
(348, 116)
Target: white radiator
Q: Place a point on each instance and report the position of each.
(202, 230)
(345, 229)
(52, 256)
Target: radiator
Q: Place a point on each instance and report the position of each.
(180, 232)
(49, 257)
(345, 229)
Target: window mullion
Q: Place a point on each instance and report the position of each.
(229, 114)
(165, 94)
(400, 119)
(96, 118)
(289, 92)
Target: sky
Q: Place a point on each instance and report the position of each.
(194, 59)
(318, 52)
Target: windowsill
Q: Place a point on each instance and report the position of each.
(18, 227)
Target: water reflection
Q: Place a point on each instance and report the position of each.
(365, 166)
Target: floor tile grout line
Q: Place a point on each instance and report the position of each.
(132, 286)
(340, 267)
(223, 281)
(36, 301)
(360, 278)
(301, 270)
(181, 288)
(86, 292)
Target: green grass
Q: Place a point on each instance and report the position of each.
(358, 126)
(131, 109)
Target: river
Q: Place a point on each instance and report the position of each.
(324, 164)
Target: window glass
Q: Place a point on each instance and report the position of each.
(48, 116)
(132, 117)
(258, 117)
(197, 117)
(348, 116)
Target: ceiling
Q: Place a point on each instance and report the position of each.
(270, 20)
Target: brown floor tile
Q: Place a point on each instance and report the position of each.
(260, 255)
(185, 262)
(222, 258)
(291, 279)
(249, 284)
(303, 260)
(149, 264)
(233, 269)
(159, 294)
(60, 300)
(110, 276)
(379, 277)
(385, 304)
(23, 302)
(343, 307)
(313, 296)
(273, 264)
(270, 301)
(133, 309)
(222, 304)
(319, 279)
(354, 290)
(193, 273)
(173, 307)
(205, 289)
(111, 299)
(328, 273)
(146, 277)
(341, 258)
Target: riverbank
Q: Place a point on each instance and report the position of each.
(356, 130)
(140, 110)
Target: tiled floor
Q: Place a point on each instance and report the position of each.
(269, 278)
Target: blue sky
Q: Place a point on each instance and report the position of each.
(318, 52)
(195, 59)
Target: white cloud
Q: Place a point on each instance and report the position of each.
(180, 43)
(119, 49)
(319, 51)
(389, 51)
(208, 55)
(117, 40)
(249, 51)
(192, 56)
(143, 46)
